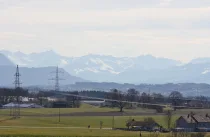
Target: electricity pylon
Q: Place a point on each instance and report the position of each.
(57, 79)
(16, 107)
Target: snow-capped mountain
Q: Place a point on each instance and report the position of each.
(101, 68)
(91, 67)
(30, 76)
(43, 59)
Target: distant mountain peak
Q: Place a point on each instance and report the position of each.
(18, 53)
(97, 67)
(47, 52)
(200, 60)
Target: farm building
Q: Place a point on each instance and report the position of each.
(12, 105)
(143, 125)
(193, 123)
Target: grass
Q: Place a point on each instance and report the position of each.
(78, 133)
(68, 122)
(119, 121)
(94, 121)
(83, 108)
(40, 111)
(49, 126)
(90, 108)
(71, 132)
(197, 111)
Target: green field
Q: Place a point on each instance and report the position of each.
(119, 121)
(81, 133)
(73, 133)
(77, 125)
(69, 126)
(89, 108)
(83, 108)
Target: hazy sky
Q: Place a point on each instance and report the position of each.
(178, 29)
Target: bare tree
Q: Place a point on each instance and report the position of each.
(168, 118)
(176, 98)
(119, 97)
(132, 95)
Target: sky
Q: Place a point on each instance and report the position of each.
(176, 29)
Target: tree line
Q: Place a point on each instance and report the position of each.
(8, 95)
(120, 99)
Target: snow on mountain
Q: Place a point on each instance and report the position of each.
(43, 59)
(92, 70)
(63, 63)
(206, 70)
(102, 66)
(97, 67)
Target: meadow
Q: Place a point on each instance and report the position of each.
(68, 126)
(83, 108)
(94, 121)
(76, 125)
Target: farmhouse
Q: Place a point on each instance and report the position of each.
(192, 123)
(143, 125)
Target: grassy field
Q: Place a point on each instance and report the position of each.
(76, 126)
(89, 108)
(119, 121)
(72, 132)
(70, 126)
(83, 108)
(82, 133)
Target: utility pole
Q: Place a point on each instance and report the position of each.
(16, 107)
(59, 115)
(57, 79)
(113, 123)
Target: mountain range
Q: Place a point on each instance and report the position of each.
(32, 76)
(101, 68)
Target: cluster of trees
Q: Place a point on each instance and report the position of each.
(150, 101)
(146, 100)
(65, 101)
(12, 95)
(74, 101)
(115, 98)
(122, 98)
